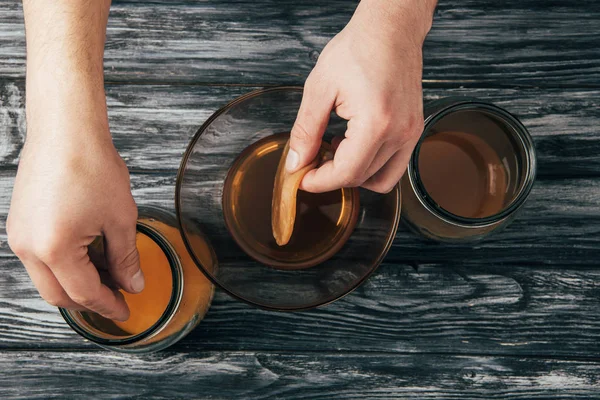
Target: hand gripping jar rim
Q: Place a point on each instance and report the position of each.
(150, 340)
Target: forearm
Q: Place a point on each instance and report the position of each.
(65, 47)
(404, 19)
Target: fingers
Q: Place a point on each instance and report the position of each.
(122, 256)
(97, 257)
(41, 276)
(65, 276)
(347, 169)
(310, 125)
(373, 165)
(81, 282)
(48, 287)
(385, 153)
(387, 177)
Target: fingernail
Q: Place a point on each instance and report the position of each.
(291, 162)
(137, 281)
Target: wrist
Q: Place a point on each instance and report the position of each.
(57, 99)
(397, 20)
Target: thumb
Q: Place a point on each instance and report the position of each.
(310, 125)
(123, 258)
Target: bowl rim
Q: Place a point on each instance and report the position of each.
(178, 211)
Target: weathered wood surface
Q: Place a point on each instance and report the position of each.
(260, 375)
(532, 289)
(512, 310)
(153, 124)
(516, 316)
(559, 225)
(474, 42)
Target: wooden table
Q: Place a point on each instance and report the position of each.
(515, 316)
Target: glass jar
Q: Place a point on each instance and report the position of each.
(503, 135)
(185, 306)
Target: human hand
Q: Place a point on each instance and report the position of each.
(72, 186)
(370, 74)
(65, 195)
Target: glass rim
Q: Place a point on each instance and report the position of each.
(518, 130)
(176, 294)
(208, 274)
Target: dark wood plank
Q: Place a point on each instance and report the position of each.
(559, 225)
(511, 310)
(152, 125)
(474, 42)
(41, 375)
(531, 289)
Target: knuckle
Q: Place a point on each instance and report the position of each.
(133, 212)
(85, 300)
(385, 117)
(314, 79)
(409, 134)
(315, 85)
(379, 133)
(311, 80)
(381, 186)
(130, 215)
(349, 172)
(128, 263)
(127, 215)
(380, 123)
(49, 247)
(300, 134)
(350, 178)
(399, 140)
(56, 299)
(385, 125)
(17, 243)
(386, 187)
(415, 125)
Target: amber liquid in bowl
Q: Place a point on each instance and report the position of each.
(324, 221)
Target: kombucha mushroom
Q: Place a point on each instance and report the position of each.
(285, 191)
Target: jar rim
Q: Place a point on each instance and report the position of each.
(519, 132)
(172, 306)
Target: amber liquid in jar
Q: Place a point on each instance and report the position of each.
(472, 170)
(149, 305)
(324, 221)
(175, 298)
(463, 174)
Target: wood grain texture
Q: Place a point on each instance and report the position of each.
(512, 43)
(509, 310)
(531, 289)
(258, 375)
(515, 316)
(153, 124)
(559, 225)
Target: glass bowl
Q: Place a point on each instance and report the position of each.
(214, 149)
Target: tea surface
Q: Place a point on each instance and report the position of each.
(324, 221)
(463, 174)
